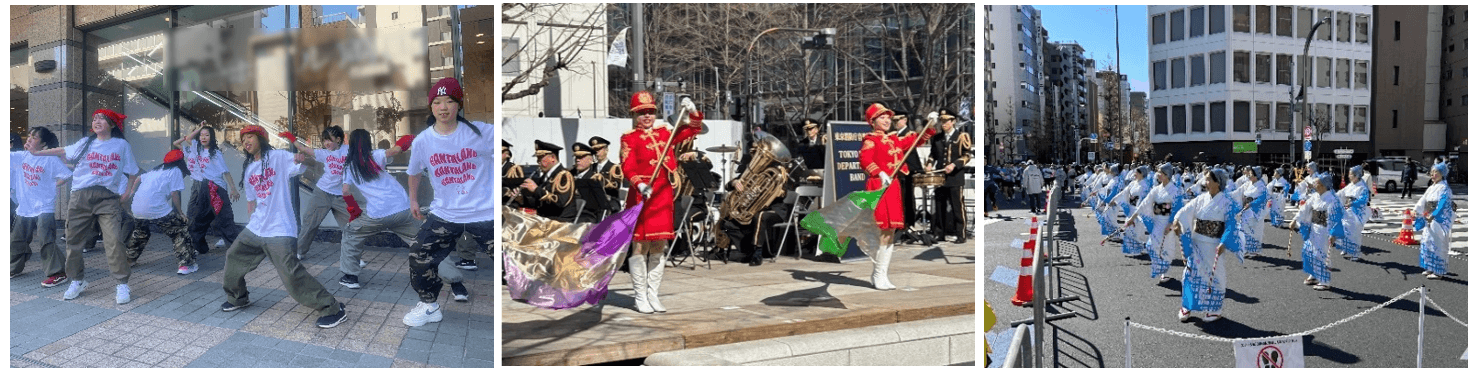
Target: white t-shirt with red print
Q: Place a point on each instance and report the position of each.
(332, 180)
(269, 184)
(385, 195)
(205, 164)
(106, 163)
(151, 200)
(33, 182)
(460, 167)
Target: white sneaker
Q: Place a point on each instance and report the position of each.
(186, 270)
(123, 295)
(75, 290)
(362, 263)
(423, 313)
(219, 243)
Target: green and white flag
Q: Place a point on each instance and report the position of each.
(850, 217)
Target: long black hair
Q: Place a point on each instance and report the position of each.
(177, 164)
(262, 148)
(361, 157)
(430, 121)
(47, 138)
(212, 148)
(112, 129)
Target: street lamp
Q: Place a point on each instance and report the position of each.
(823, 39)
(1305, 80)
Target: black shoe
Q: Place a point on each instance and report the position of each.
(961, 239)
(466, 265)
(755, 260)
(228, 307)
(330, 321)
(350, 281)
(203, 249)
(459, 291)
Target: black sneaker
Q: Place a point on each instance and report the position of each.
(334, 320)
(350, 281)
(466, 265)
(459, 291)
(227, 306)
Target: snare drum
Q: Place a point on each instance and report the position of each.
(929, 180)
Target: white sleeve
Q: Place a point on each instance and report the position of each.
(130, 166)
(419, 159)
(58, 168)
(1189, 211)
(289, 161)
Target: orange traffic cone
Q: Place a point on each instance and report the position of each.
(1406, 233)
(1026, 289)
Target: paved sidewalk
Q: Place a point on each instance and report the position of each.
(175, 320)
(734, 302)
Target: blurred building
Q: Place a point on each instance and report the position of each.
(1420, 80)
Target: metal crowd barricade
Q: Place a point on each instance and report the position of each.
(1040, 279)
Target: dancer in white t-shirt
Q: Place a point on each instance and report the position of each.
(33, 183)
(272, 231)
(456, 156)
(325, 195)
(104, 167)
(208, 207)
(154, 200)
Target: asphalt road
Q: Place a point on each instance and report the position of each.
(1265, 298)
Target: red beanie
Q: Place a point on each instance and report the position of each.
(115, 117)
(446, 87)
(173, 156)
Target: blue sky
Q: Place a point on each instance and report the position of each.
(1092, 26)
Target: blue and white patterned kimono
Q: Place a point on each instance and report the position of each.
(1434, 245)
(1278, 201)
(1157, 225)
(1315, 246)
(1206, 276)
(1252, 218)
(1356, 197)
(1105, 212)
(1134, 238)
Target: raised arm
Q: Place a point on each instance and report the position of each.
(179, 143)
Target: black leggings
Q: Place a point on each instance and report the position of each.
(202, 217)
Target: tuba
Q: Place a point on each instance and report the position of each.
(763, 182)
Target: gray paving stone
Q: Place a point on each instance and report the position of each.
(42, 321)
(307, 361)
(375, 361)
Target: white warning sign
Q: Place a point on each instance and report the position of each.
(1280, 352)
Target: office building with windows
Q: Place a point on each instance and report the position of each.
(1223, 75)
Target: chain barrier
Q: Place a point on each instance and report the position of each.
(1318, 329)
(1446, 313)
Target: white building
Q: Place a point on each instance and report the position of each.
(578, 91)
(1223, 74)
(1017, 39)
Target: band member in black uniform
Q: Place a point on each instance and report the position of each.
(754, 238)
(812, 147)
(510, 171)
(613, 175)
(951, 150)
(551, 190)
(585, 172)
(907, 182)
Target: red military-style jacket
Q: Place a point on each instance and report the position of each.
(639, 151)
(884, 153)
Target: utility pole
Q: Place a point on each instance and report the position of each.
(637, 51)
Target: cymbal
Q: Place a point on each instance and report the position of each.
(723, 148)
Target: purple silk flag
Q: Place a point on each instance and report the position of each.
(548, 266)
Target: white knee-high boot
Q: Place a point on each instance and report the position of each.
(656, 263)
(638, 280)
(883, 263)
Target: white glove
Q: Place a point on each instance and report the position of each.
(932, 116)
(687, 105)
(885, 180)
(644, 190)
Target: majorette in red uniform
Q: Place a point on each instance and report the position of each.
(640, 149)
(880, 155)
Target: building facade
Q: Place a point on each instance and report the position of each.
(1222, 78)
(577, 90)
(1018, 41)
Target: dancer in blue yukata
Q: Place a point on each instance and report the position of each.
(1436, 206)
(1134, 237)
(1320, 224)
(1279, 189)
(1155, 211)
(1211, 222)
(1255, 196)
(1355, 196)
(1105, 212)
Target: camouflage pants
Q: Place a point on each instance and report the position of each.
(436, 240)
(173, 225)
